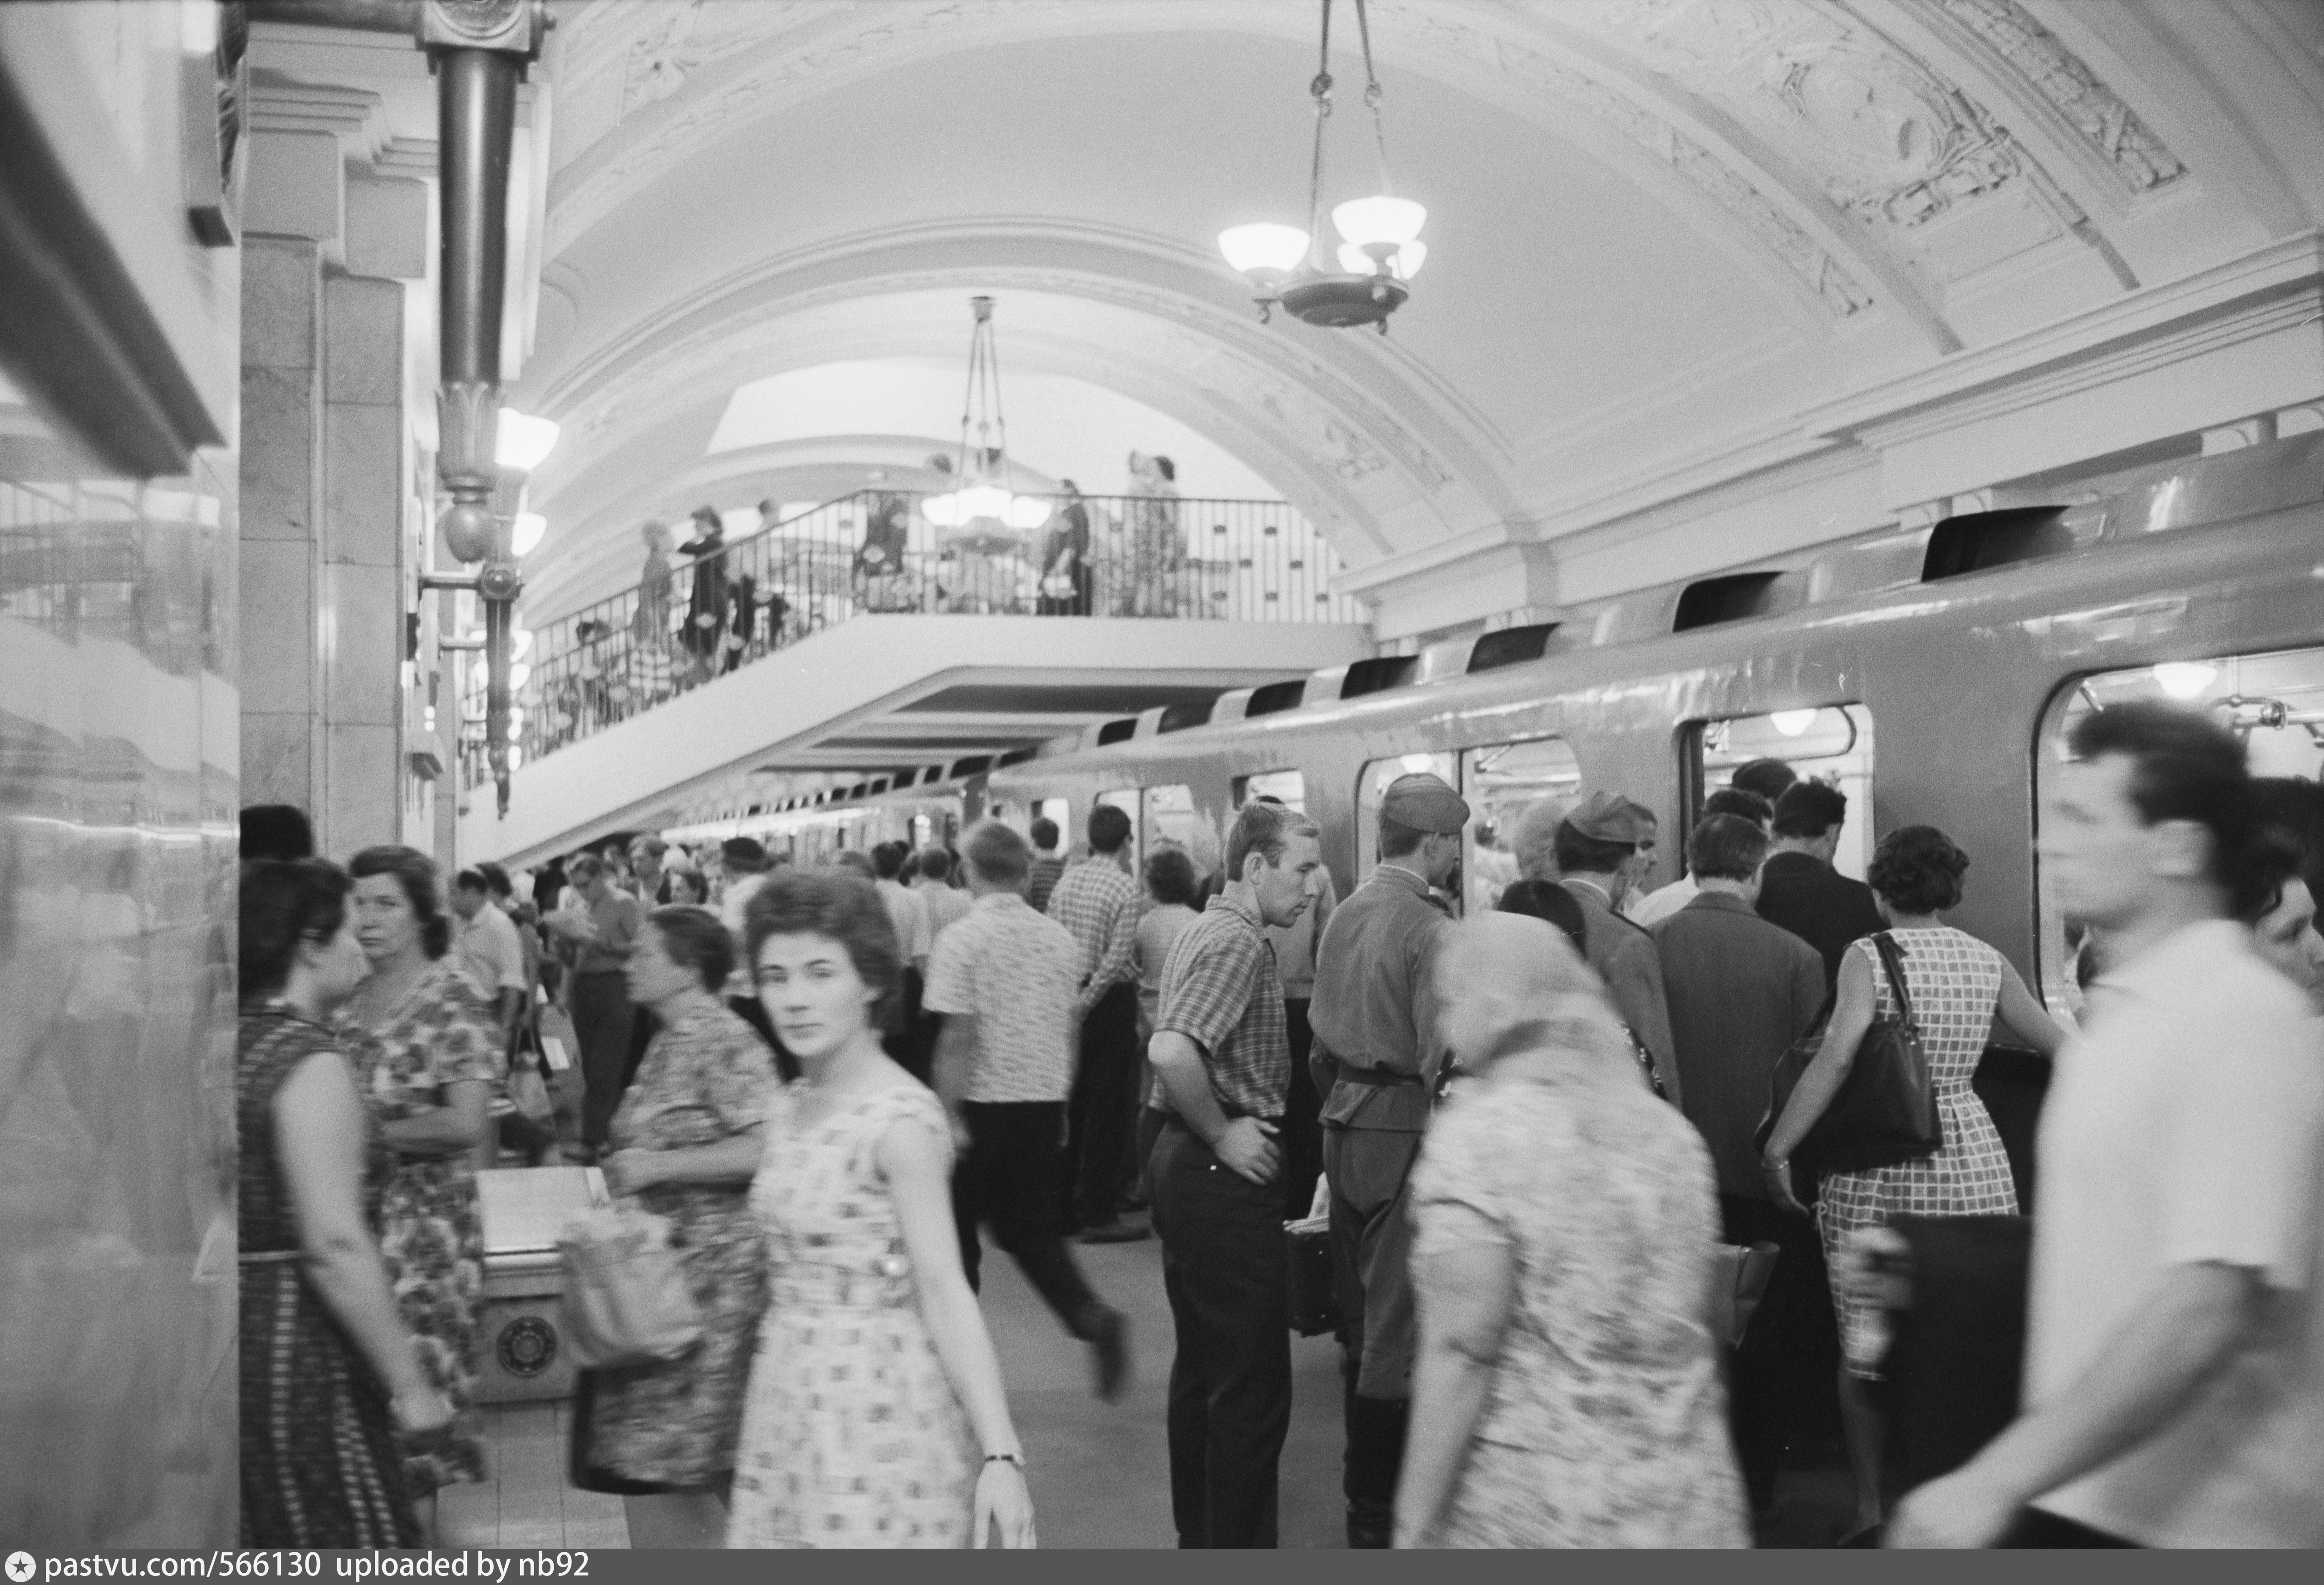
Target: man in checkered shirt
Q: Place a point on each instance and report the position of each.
(1099, 903)
(1222, 1076)
(1005, 978)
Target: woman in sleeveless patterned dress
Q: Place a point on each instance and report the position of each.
(1959, 987)
(875, 1414)
(330, 1374)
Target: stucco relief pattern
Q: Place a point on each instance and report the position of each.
(2128, 145)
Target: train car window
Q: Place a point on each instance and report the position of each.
(1501, 782)
(2273, 701)
(1371, 785)
(1287, 788)
(1169, 815)
(1833, 744)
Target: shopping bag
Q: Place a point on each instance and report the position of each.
(626, 1300)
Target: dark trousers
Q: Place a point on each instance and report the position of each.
(642, 1026)
(1008, 1180)
(602, 1022)
(1761, 1408)
(1371, 1250)
(1303, 1130)
(907, 1038)
(1231, 1380)
(1098, 1114)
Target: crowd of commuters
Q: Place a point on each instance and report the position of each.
(1542, 1136)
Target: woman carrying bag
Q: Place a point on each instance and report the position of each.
(1956, 988)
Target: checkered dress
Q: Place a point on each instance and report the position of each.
(1954, 979)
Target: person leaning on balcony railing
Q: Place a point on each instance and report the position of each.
(1066, 570)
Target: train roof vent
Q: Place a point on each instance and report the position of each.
(1015, 757)
(1275, 696)
(1510, 646)
(975, 765)
(1980, 542)
(1707, 601)
(1179, 717)
(933, 774)
(1381, 671)
(1114, 732)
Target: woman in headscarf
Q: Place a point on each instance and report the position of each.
(1566, 1391)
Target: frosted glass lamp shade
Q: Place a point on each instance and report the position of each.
(1380, 220)
(1264, 246)
(526, 531)
(1027, 512)
(1404, 264)
(942, 510)
(523, 442)
(983, 500)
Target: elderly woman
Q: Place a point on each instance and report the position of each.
(685, 1144)
(329, 1375)
(1566, 1391)
(427, 1052)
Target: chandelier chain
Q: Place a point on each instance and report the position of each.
(1320, 87)
(1373, 94)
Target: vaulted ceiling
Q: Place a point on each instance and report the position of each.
(1659, 229)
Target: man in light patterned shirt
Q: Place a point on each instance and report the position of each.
(1004, 979)
(1099, 903)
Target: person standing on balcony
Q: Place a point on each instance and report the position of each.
(706, 617)
(1158, 552)
(1065, 563)
(650, 623)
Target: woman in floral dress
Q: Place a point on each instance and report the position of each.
(1566, 1391)
(685, 1143)
(329, 1375)
(1957, 985)
(427, 1054)
(875, 1413)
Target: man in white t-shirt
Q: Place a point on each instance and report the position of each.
(486, 945)
(2170, 1304)
(1005, 980)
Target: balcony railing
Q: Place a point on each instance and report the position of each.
(874, 551)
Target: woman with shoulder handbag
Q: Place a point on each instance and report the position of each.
(1920, 992)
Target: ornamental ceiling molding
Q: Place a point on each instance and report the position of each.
(786, 73)
(2123, 145)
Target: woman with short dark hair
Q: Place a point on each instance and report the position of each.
(685, 1142)
(427, 1055)
(875, 1414)
(330, 1374)
(1959, 987)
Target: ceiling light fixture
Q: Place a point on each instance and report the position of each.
(525, 533)
(1379, 248)
(1794, 723)
(2185, 680)
(984, 495)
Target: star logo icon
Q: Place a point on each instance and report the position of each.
(20, 1566)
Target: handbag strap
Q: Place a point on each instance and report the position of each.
(1891, 959)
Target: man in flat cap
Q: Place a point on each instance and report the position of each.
(1598, 845)
(1375, 1058)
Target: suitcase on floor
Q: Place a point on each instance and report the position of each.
(1315, 1304)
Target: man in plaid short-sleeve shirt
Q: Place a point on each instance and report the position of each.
(1222, 1072)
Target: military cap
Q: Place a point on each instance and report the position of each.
(1423, 802)
(1605, 816)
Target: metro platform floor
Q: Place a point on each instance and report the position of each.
(1099, 1472)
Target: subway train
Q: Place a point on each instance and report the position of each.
(1932, 674)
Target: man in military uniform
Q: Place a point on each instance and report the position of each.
(1597, 848)
(1375, 1058)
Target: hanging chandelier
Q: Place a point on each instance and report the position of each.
(1379, 249)
(983, 493)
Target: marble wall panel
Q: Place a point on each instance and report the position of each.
(118, 791)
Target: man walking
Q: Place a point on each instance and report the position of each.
(1003, 979)
(2172, 1345)
(1221, 1070)
(1740, 990)
(601, 925)
(1597, 847)
(1098, 903)
(1375, 1057)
